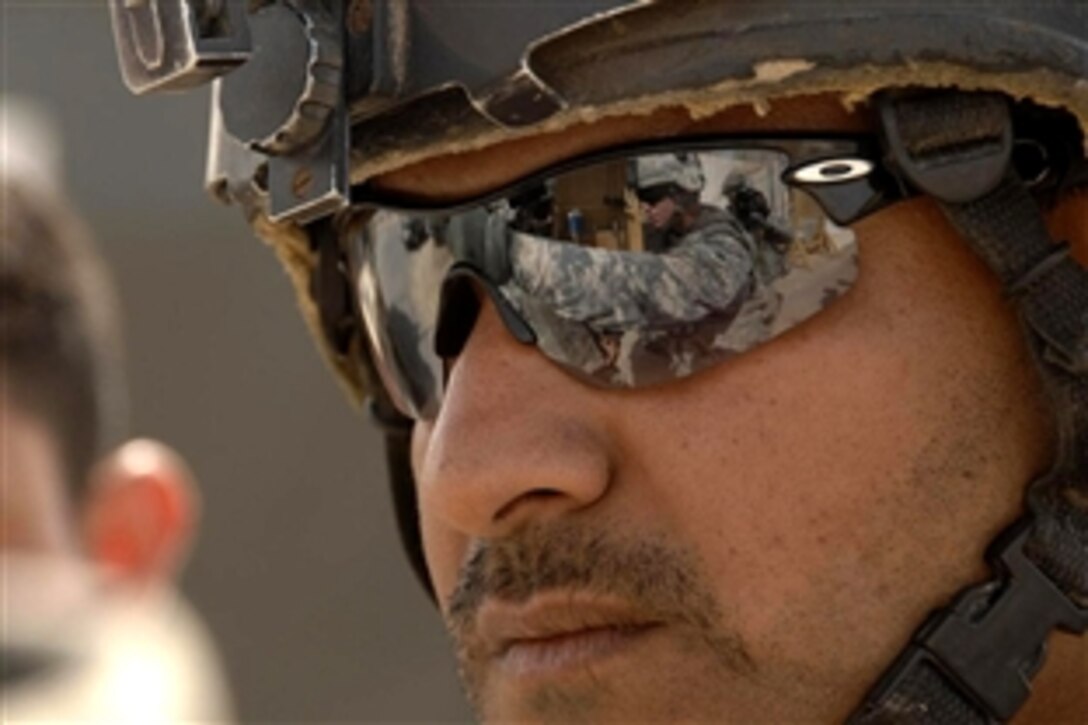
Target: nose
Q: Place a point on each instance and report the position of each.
(516, 441)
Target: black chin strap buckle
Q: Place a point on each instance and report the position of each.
(986, 647)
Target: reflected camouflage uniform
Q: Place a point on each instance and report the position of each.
(634, 318)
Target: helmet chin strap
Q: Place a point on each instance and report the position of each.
(973, 661)
(398, 459)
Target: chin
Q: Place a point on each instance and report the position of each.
(653, 676)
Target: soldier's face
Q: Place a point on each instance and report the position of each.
(660, 215)
(754, 543)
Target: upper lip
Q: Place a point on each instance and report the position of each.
(501, 624)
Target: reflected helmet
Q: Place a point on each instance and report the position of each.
(680, 170)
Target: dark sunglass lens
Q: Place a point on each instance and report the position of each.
(652, 195)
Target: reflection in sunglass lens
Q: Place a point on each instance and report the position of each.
(653, 195)
(617, 294)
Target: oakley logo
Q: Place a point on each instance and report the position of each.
(832, 171)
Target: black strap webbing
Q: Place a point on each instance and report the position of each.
(398, 462)
(1050, 290)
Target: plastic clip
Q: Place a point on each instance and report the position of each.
(942, 150)
(992, 640)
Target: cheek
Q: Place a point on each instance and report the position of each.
(662, 212)
(882, 443)
(443, 548)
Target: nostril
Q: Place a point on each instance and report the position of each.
(535, 496)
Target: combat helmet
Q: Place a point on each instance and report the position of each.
(680, 170)
(316, 97)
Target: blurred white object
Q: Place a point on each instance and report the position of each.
(30, 146)
(97, 651)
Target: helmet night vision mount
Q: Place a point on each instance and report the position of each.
(291, 78)
(312, 96)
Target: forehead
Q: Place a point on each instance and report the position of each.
(455, 176)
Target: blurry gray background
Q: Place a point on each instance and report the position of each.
(298, 572)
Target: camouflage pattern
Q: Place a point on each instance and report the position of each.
(634, 318)
(618, 290)
(683, 170)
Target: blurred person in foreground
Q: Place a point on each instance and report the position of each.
(90, 545)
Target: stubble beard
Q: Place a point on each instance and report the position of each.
(658, 580)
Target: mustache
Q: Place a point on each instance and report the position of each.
(655, 578)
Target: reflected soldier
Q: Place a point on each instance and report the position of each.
(749, 205)
(668, 188)
(694, 287)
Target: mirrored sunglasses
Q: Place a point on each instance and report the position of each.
(616, 291)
